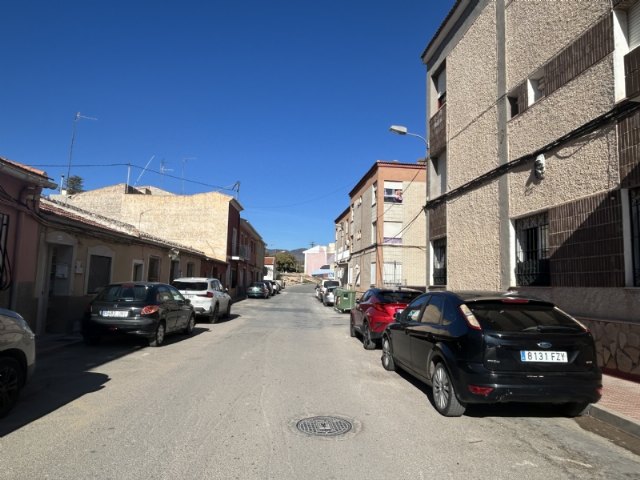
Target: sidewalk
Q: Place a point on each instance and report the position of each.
(619, 406)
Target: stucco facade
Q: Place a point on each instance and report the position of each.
(535, 145)
(19, 231)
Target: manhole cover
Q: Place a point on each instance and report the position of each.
(324, 426)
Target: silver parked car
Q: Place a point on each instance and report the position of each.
(17, 357)
(329, 296)
(207, 295)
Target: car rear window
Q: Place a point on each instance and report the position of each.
(522, 317)
(113, 293)
(331, 284)
(397, 297)
(180, 285)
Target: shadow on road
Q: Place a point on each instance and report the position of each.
(64, 374)
(493, 410)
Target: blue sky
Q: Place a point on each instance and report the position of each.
(293, 99)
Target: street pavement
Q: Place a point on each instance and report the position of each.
(226, 403)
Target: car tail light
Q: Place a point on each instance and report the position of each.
(208, 294)
(471, 319)
(482, 391)
(515, 300)
(149, 310)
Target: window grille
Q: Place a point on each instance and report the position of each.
(635, 233)
(392, 273)
(440, 261)
(532, 251)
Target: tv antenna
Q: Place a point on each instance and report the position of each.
(164, 169)
(144, 170)
(77, 117)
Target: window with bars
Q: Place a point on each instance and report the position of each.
(532, 251)
(392, 273)
(634, 200)
(440, 261)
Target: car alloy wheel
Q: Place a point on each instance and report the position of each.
(444, 396)
(188, 330)
(387, 356)
(367, 342)
(352, 328)
(213, 318)
(10, 382)
(158, 338)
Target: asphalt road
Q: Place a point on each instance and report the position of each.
(224, 404)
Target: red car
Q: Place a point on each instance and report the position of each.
(375, 310)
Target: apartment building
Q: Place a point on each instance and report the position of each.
(383, 241)
(534, 170)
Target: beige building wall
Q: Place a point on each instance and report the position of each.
(411, 254)
(472, 126)
(537, 30)
(199, 221)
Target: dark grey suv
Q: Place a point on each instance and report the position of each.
(474, 347)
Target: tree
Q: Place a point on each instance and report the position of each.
(74, 185)
(285, 262)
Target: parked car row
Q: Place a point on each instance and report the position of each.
(264, 288)
(482, 347)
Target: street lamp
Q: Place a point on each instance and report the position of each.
(402, 130)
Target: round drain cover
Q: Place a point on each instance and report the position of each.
(324, 426)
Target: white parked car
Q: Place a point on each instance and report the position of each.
(207, 295)
(329, 297)
(17, 357)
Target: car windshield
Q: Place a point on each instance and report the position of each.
(125, 292)
(397, 297)
(522, 317)
(334, 283)
(182, 285)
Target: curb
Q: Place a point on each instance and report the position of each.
(52, 346)
(614, 419)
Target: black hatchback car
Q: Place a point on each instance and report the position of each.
(474, 347)
(144, 309)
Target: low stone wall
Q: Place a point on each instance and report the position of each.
(617, 346)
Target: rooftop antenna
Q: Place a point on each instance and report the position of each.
(163, 169)
(77, 117)
(236, 187)
(144, 170)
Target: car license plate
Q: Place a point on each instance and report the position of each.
(543, 356)
(115, 313)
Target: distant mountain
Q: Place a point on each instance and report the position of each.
(297, 253)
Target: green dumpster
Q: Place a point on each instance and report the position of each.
(345, 299)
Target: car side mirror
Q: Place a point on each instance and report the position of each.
(187, 301)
